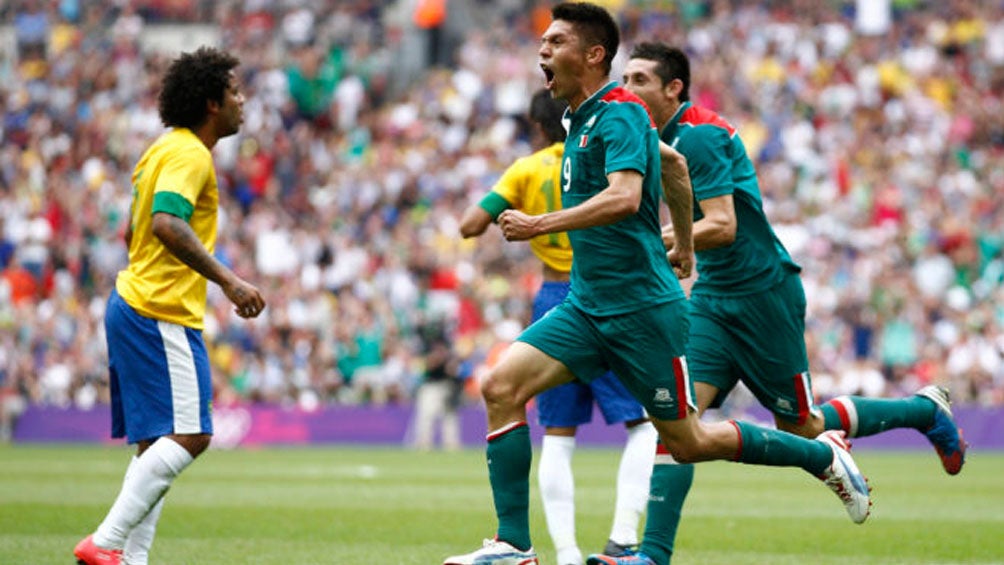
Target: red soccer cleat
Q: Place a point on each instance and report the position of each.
(89, 554)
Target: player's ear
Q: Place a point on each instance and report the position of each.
(213, 106)
(674, 88)
(595, 54)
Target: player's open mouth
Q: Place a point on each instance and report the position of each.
(548, 76)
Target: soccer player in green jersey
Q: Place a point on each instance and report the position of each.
(533, 184)
(747, 307)
(159, 368)
(626, 311)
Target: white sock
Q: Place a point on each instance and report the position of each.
(570, 556)
(146, 482)
(632, 483)
(137, 545)
(557, 492)
(140, 540)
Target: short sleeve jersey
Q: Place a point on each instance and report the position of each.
(532, 185)
(175, 175)
(719, 165)
(620, 267)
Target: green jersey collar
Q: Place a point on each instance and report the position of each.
(593, 98)
(671, 125)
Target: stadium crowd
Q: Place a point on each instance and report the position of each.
(879, 138)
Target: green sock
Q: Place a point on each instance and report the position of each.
(509, 454)
(861, 417)
(764, 446)
(669, 487)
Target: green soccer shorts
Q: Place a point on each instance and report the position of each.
(758, 339)
(645, 349)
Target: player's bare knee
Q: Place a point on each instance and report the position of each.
(498, 390)
(194, 444)
(682, 451)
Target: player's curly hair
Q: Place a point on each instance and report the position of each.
(192, 80)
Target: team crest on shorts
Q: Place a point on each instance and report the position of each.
(662, 395)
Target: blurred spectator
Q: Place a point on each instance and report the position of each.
(439, 393)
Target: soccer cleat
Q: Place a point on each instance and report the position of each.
(495, 552)
(614, 549)
(89, 554)
(844, 478)
(632, 559)
(943, 433)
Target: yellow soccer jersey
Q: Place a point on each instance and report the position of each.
(532, 185)
(176, 176)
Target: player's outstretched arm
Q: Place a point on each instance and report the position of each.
(181, 241)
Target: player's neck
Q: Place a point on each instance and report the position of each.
(666, 113)
(588, 87)
(207, 136)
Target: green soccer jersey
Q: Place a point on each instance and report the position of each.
(718, 165)
(620, 267)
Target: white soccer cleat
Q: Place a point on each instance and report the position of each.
(844, 478)
(495, 552)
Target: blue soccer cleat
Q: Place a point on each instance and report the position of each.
(943, 433)
(633, 559)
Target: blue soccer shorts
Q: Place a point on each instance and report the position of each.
(159, 375)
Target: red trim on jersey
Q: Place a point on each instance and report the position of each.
(739, 448)
(695, 116)
(492, 436)
(621, 94)
(661, 449)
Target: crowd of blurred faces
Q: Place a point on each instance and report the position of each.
(877, 129)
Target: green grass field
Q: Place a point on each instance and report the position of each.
(354, 506)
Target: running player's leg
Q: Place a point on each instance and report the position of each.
(550, 352)
(775, 367)
(668, 397)
(928, 411)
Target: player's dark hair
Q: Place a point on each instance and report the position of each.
(670, 63)
(594, 24)
(191, 81)
(547, 111)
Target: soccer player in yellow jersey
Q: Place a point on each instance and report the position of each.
(532, 184)
(159, 368)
